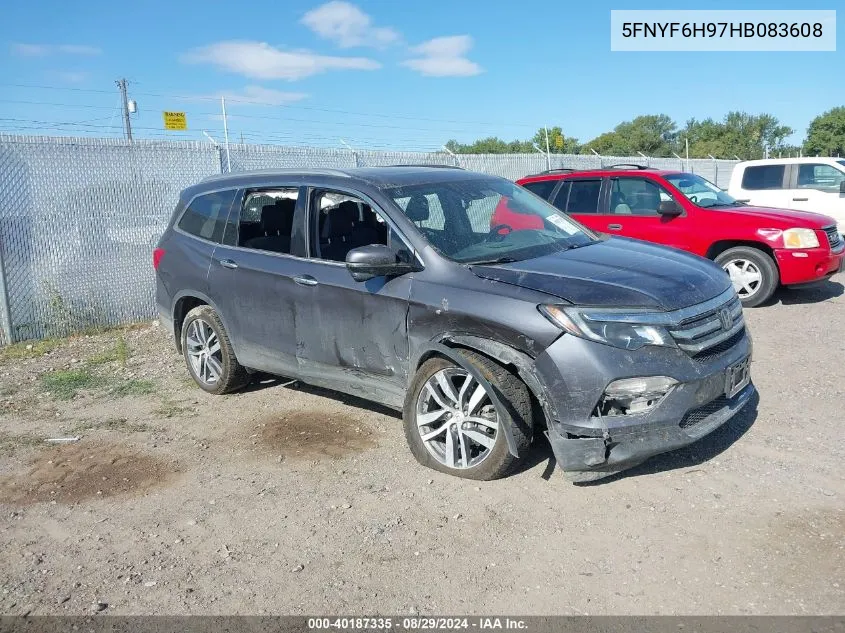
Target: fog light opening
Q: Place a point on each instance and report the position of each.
(630, 396)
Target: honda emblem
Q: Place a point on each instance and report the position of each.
(726, 318)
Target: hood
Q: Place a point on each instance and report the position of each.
(783, 218)
(619, 273)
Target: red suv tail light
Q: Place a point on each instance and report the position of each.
(157, 255)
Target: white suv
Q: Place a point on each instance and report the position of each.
(805, 184)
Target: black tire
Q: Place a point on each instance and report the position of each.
(765, 264)
(233, 375)
(519, 418)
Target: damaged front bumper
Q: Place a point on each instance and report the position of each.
(588, 445)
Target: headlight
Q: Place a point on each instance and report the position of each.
(800, 238)
(618, 333)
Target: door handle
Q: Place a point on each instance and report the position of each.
(614, 227)
(228, 263)
(305, 280)
(800, 199)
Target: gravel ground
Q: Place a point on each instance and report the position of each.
(290, 500)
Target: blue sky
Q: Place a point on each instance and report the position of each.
(382, 73)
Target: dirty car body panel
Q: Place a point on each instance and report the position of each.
(369, 338)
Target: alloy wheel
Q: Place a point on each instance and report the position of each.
(204, 353)
(456, 419)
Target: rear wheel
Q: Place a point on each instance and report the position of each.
(452, 425)
(208, 352)
(753, 274)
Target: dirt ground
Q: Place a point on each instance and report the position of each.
(286, 499)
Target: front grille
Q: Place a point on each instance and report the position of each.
(833, 238)
(712, 332)
(720, 348)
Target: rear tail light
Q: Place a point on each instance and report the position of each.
(157, 255)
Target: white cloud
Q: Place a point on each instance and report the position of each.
(347, 26)
(263, 61)
(43, 50)
(444, 57)
(258, 96)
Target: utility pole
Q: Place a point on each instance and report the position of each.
(548, 157)
(127, 124)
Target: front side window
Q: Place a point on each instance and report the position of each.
(266, 220)
(701, 191)
(341, 222)
(487, 220)
(819, 176)
(763, 177)
(206, 215)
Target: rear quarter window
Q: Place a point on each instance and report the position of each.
(763, 177)
(542, 188)
(206, 215)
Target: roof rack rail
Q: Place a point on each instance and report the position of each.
(553, 171)
(423, 165)
(625, 166)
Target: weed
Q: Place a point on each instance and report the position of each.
(8, 390)
(170, 409)
(118, 353)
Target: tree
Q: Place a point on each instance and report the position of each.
(652, 134)
(491, 145)
(558, 142)
(826, 134)
(738, 134)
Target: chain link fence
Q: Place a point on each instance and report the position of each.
(79, 217)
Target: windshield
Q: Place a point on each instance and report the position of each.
(701, 192)
(487, 220)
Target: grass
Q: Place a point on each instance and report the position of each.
(28, 349)
(9, 443)
(64, 385)
(8, 390)
(109, 424)
(132, 388)
(170, 409)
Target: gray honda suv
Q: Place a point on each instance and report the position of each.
(395, 284)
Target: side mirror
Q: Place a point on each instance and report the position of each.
(842, 186)
(669, 208)
(376, 260)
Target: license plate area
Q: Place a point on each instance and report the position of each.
(737, 377)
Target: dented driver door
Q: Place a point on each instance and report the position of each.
(351, 336)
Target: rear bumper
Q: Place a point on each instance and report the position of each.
(809, 265)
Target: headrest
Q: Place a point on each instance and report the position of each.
(417, 209)
(278, 217)
(342, 218)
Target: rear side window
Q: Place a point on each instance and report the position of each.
(584, 196)
(542, 188)
(206, 215)
(763, 177)
(819, 176)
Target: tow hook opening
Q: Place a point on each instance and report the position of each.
(633, 395)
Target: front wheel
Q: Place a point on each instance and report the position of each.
(753, 274)
(452, 425)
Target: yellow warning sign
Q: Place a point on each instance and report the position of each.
(175, 121)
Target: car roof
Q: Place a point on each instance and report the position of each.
(791, 161)
(381, 177)
(559, 174)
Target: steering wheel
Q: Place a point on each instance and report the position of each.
(496, 233)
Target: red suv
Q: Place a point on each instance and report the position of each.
(760, 248)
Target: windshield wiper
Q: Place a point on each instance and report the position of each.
(499, 260)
